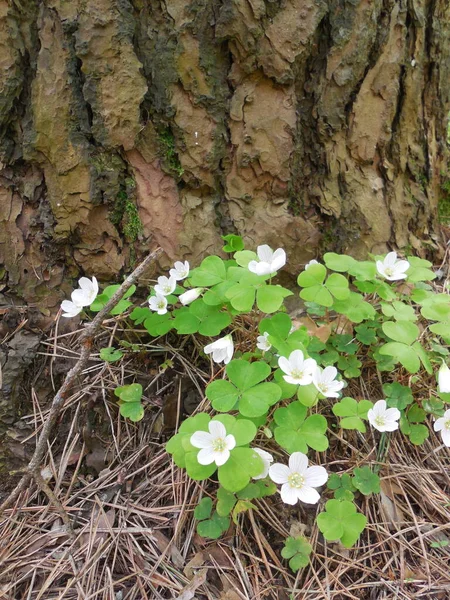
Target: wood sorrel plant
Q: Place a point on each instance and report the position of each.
(375, 315)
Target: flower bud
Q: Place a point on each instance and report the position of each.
(190, 296)
(444, 379)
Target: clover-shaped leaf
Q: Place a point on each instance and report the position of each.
(397, 395)
(353, 413)
(269, 298)
(110, 354)
(234, 243)
(342, 486)
(420, 269)
(202, 318)
(316, 289)
(341, 521)
(244, 391)
(350, 365)
(295, 432)
(399, 311)
(297, 550)
(225, 502)
(355, 308)
(365, 334)
(103, 298)
(213, 526)
(366, 481)
(130, 401)
(211, 271)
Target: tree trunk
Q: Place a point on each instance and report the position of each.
(127, 124)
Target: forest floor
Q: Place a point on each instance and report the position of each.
(134, 534)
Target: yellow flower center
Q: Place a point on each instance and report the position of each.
(380, 421)
(389, 271)
(297, 374)
(219, 445)
(447, 424)
(296, 480)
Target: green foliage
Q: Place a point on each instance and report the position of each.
(295, 432)
(363, 325)
(130, 401)
(297, 550)
(244, 391)
(341, 521)
(342, 486)
(107, 294)
(366, 481)
(110, 354)
(211, 525)
(353, 413)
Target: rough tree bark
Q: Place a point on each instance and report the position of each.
(127, 124)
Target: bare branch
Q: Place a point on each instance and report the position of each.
(61, 395)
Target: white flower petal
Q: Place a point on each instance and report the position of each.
(278, 259)
(308, 495)
(379, 408)
(265, 253)
(390, 426)
(217, 429)
(296, 360)
(263, 268)
(316, 476)
(289, 495)
(230, 442)
(298, 462)
(390, 259)
(252, 266)
(70, 309)
(222, 457)
(329, 374)
(439, 424)
(279, 473)
(284, 365)
(392, 414)
(445, 433)
(206, 456)
(201, 439)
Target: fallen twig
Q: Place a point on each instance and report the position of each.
(87, 337)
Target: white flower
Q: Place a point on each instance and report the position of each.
(222, 349)
(166, 285)
(299, 370)
(262, 342)
(444, 379)
(215, 445)
(382, 418)
(267, 459)
(298, 480)
(443, 425)
(190, 296)
(158, 303)
(87, 292)
(311, 262)
(70, 308)
(180, 270)
(391, 268)
(325, 382)
(269, 261)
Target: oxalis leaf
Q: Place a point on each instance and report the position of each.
(295, 432)
(341, 521)
(353, 412)
(297, 549)
(244, 391)
(365, 481)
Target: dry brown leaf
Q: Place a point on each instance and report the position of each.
(189, 591)
(163, 543)
(198, 560)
